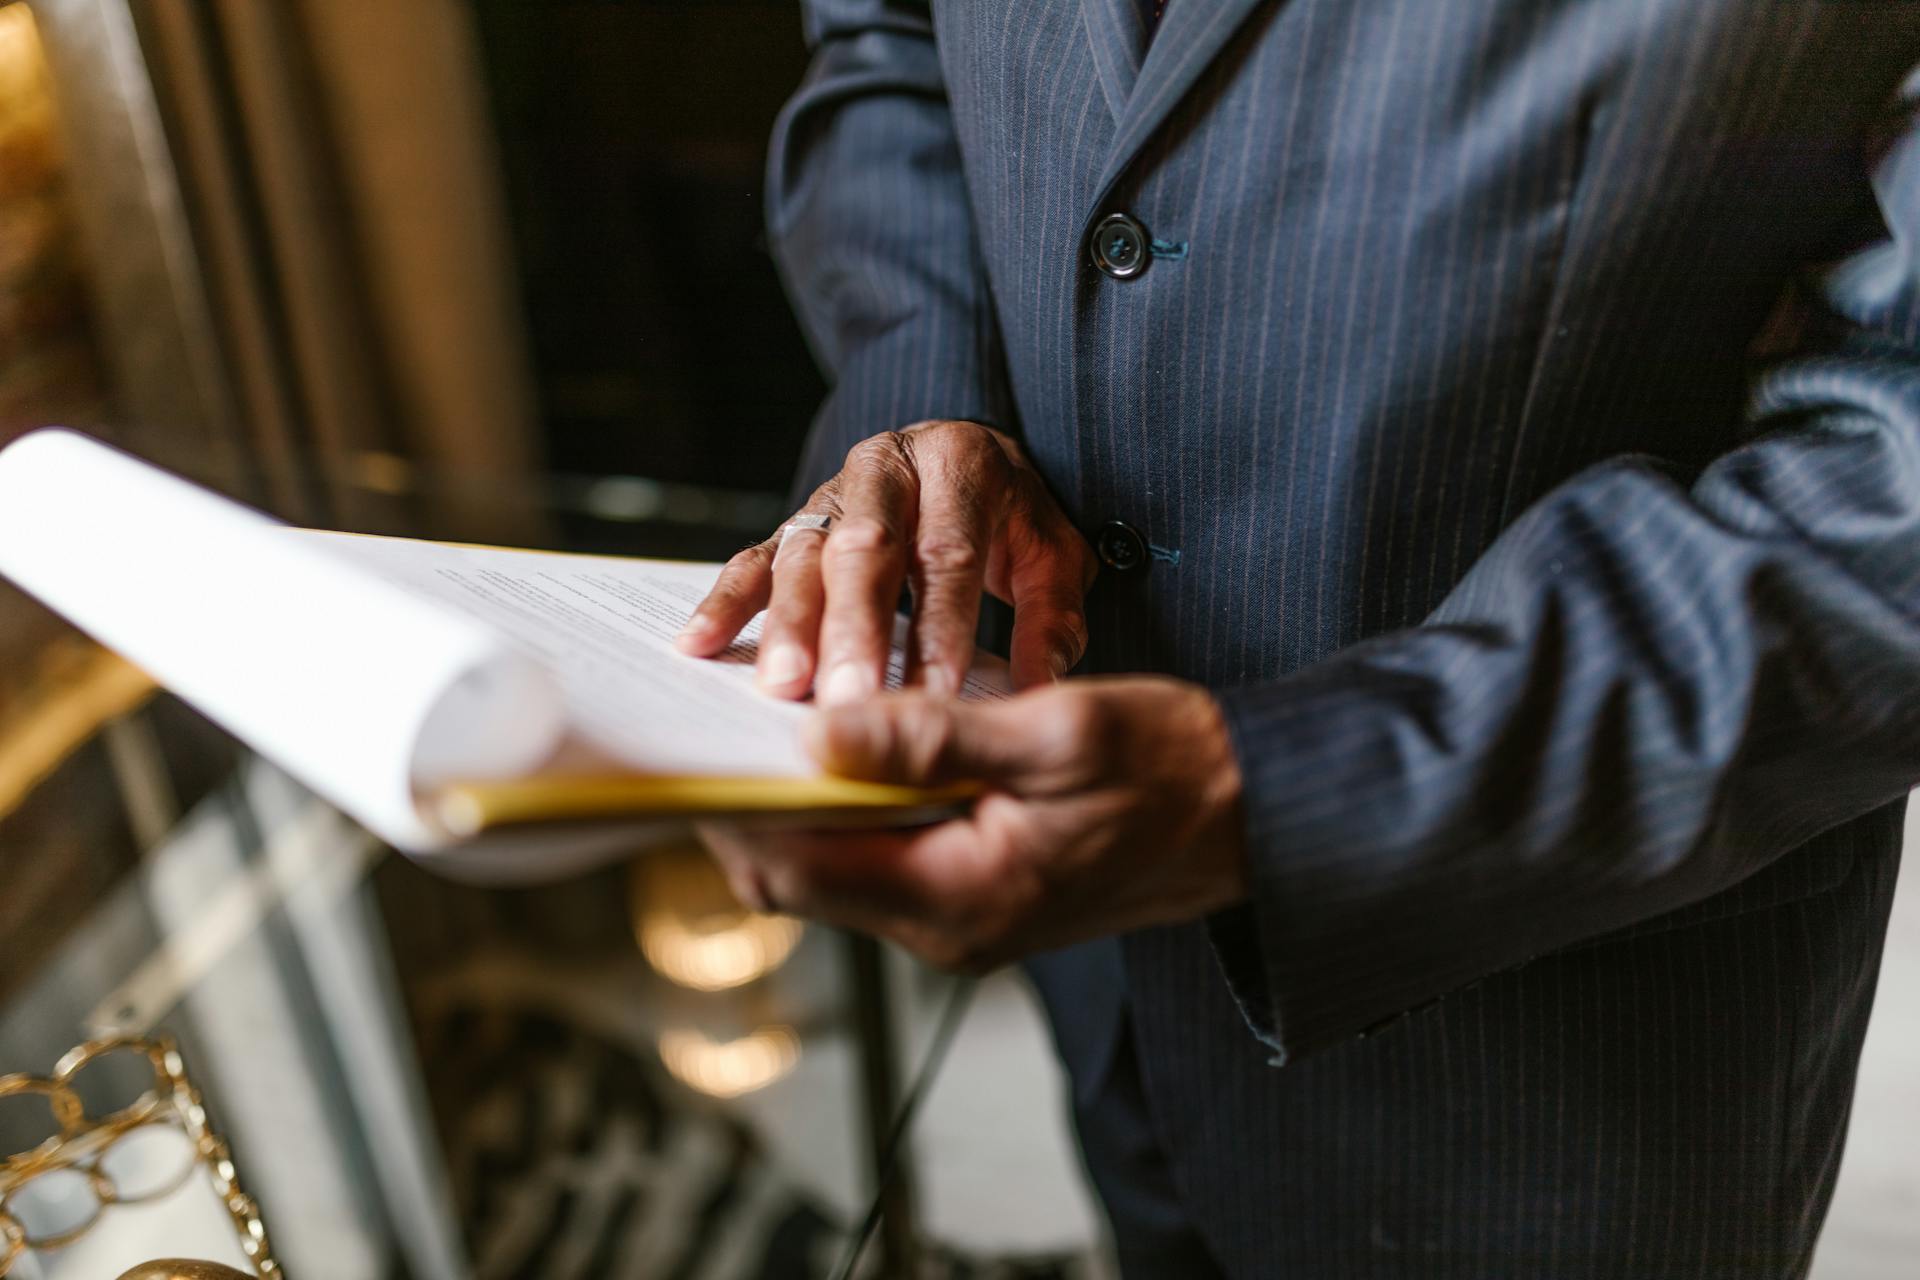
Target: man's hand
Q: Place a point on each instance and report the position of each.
(949, 508)
(1114, 805)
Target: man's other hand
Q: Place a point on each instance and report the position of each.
(950, 509)
(1111, 805)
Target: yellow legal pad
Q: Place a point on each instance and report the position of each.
(469, 809)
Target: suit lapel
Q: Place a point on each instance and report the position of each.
(1190, 35)
(1117, 30)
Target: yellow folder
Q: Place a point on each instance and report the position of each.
(470, 809)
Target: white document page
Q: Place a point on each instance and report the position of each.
(602, 627)
(376, 669)
(362, 690)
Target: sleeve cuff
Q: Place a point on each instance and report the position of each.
(1352, 919)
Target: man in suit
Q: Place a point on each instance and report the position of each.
(1489, 430)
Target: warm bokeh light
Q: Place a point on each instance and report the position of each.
(49, 370)
(694, 933)
(729, 1068)
(20, 57)
(715, 954)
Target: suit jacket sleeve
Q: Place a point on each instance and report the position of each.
(1651, 685)
(869, 221)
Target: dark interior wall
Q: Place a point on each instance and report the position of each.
(633, 134)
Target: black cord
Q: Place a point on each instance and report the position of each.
(950, 1019)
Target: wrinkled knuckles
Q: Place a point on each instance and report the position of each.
(888, 451)
(861, 538)
(946, 556)
(972, 439)
(954, 450)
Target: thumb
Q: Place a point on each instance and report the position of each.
(910, 739)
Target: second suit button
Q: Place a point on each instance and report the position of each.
(1120, 546)
(1119, 246)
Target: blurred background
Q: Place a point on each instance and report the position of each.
(487, 270)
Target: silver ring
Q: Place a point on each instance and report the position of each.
(808, 523)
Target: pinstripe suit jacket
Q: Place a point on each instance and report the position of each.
(1523, 402)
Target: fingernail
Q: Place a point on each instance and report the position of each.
(940, 682)
(784, 665)
(697, 626)
(1059, 664)
(848, 682)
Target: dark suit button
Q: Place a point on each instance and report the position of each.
(1120, 546)
(1119, 246)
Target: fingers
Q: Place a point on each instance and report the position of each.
(790, 638)
(863, 566)
(962, 494)
(732, 850)
(954, 506)
(1043, 568)
(938, 891)
(747, 584)
(1025, 744)
(738, 594)
(855, 879)
(1049, 625)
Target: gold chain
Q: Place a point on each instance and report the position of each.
(81, 1142)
